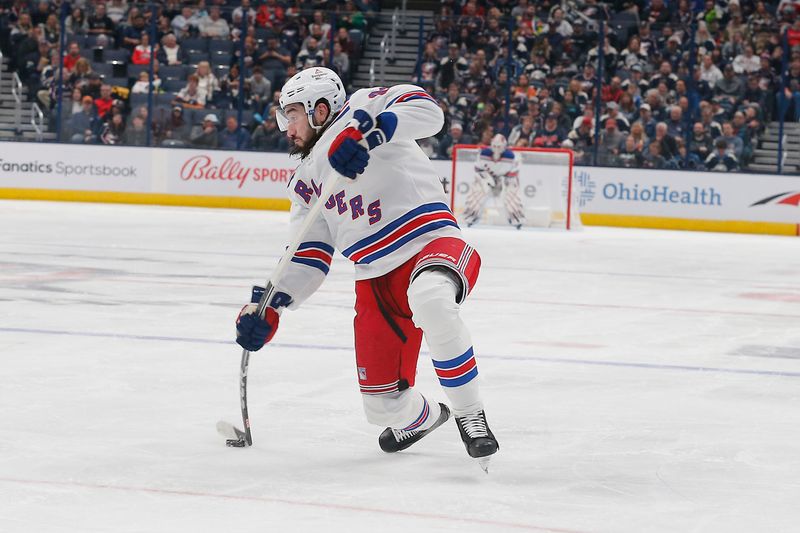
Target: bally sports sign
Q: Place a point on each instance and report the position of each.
(229, 168)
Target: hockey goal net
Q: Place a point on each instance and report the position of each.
(541, 193)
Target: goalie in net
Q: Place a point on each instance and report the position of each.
(500, 185)
(497, 179)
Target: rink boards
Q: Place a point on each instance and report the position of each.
(706, 201)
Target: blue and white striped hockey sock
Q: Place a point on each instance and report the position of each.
(432, 297)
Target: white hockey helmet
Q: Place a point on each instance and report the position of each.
(308, 87)
(499, 145)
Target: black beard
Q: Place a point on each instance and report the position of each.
(306, 150)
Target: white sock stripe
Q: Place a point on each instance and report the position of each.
(380, 386)
(378, 393)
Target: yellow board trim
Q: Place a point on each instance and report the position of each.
(724, 226)
(274, 204)
(280, 204)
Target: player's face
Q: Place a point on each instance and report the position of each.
(298, 130)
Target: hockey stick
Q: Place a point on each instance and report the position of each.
(240, 438)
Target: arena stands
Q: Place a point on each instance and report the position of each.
(206, 60)
(675, 84)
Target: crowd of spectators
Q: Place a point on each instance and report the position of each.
(196, 92)
(684, 84)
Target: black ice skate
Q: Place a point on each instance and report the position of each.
(478, 438)
(394, 440)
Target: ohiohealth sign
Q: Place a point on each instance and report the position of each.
(751, 203)
(688, 195)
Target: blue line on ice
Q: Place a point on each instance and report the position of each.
(653, 366)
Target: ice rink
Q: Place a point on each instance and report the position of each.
(637, 381)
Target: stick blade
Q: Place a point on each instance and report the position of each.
(235, 437)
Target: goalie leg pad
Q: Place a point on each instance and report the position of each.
(515, 211)
(432, 298)
(476, 201)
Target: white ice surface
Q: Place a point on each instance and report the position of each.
(636, 380)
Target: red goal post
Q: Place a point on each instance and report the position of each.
(546, 185)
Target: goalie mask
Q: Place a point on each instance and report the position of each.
(499, 145)
(308, 87)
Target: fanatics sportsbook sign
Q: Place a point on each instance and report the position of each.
(53, 166)
(123, 169)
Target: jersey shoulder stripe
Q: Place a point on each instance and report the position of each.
(411, 95)
(343, 112)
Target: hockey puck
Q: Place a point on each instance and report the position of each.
(235, 443)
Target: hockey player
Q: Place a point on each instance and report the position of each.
(496, 177)
(390, 218)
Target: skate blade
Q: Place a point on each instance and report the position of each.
(483, 462)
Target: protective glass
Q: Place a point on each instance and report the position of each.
(282, 119)
(285, 119)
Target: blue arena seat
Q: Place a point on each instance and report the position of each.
(221, 59)
(104, 69)
(218, 45)
(173, 72)
(172, 86)
(197, 44)
(110, 55)
(196, 57)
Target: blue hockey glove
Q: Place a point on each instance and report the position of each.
(254, 331)
(348, 153)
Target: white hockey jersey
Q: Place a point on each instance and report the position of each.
(495, 172)
(387, 214)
